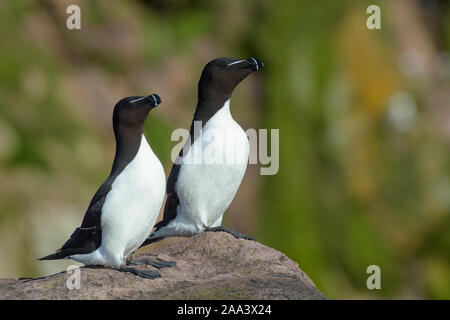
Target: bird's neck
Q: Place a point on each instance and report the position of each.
(207, 108)
(128, 141)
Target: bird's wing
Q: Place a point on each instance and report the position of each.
(172, 201)
(88, 237)
(91, 224)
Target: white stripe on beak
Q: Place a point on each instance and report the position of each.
(154, 99)
(140, 99)
(256, 63)
(239, 61)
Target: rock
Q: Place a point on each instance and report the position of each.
(212, 265)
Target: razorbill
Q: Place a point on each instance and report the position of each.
(126, 205)
(199, 192)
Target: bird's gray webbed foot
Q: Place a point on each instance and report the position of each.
(157, 263)
(236, 234)
(147, 274)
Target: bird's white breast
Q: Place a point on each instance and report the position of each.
(133, 203)
(206, 188)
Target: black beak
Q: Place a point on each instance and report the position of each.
(151, 100)
(255, 63)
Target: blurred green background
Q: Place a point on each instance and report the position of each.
(364, 119)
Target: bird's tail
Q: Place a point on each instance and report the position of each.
(61, 254)
(151, 240)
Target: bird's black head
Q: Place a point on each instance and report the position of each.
(221, 75)
(131, 112)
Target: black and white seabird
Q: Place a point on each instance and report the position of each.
(127, 204)
(199, 193)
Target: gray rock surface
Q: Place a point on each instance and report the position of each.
(212, 265)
